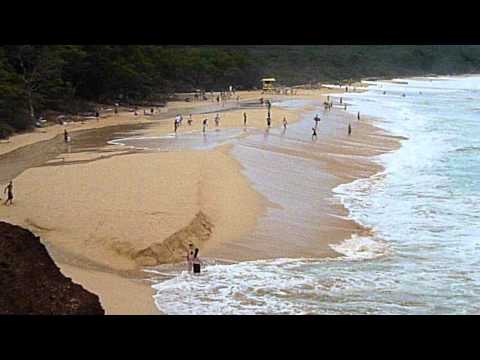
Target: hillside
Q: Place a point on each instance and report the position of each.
(73, 78)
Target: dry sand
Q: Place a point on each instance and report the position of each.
(103, 219)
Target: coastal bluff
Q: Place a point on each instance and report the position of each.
(31, 283)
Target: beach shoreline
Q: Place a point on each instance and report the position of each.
(153, 223)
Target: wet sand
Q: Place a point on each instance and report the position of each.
(105, 212)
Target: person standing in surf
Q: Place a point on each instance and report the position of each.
(358, 115)
(190, 258)
(314, 134)
(349, 130)
(269, 120)
(285, 123)
(244, 119)
(217, 120)
(197, 263)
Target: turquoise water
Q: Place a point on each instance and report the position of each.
(424, 256)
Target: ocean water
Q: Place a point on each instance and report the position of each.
(424, 256)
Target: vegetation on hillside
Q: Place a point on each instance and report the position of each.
(67, 78)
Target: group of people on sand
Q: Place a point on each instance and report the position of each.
(328, 107)
(224, 96)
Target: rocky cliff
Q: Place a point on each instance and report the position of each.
(31, 283)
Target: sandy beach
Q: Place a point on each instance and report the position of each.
(107, 211)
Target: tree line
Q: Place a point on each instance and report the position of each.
(73, 78)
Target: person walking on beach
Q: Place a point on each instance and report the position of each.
(285, 123)
(97, 115)
(178, 119)
(189, 120)
(197, 263)
(358, 115)
(349, 130)
(217, 120)
(205, 124)
(345, 108)
(176, 123)
(244, 119)
(317, 120)
(341, 100)
(9, 191)
(269, 120)
(314, 133)
(66, 138)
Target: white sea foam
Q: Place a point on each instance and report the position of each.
(361, 248)
(422, 257)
